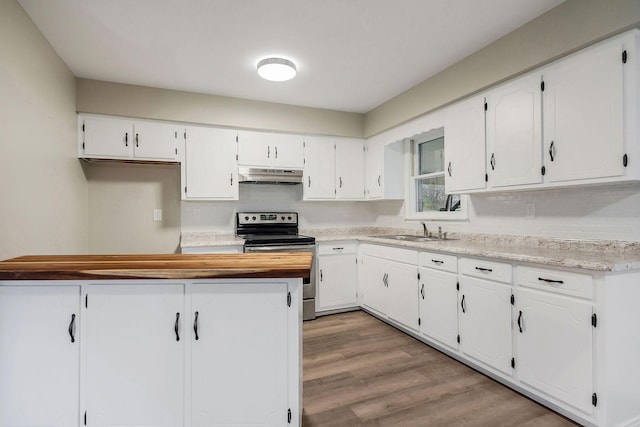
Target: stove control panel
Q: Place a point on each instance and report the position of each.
(267, 218)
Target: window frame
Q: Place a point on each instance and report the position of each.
(411, 202)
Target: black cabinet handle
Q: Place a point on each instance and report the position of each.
(276, 152)
(137, 140)
(422, 290)
(551, 151)
(550, 281)
(231, 179)
(462, 306)
(520, 321)
(489, 270)
(379, 176)
(321, 275)
(449, 169)
(175, 327)
(268, 152)
(309, 181)
(195, 326)
(72, 327)
(340, 182)
(126, 139)
(437, 261)
(492, 162)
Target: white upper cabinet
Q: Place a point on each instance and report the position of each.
(384, 171)
(333, 168)
(127, 139)
(210, 167)
(583, 104)
(270, 150)
(465, 157)
(319, 168)
(514, 133)
(349, 179)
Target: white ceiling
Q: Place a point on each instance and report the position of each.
(352, 55)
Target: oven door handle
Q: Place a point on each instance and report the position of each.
(283, 248)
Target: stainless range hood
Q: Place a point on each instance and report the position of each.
(248, 175)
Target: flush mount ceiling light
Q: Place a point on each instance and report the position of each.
(276, 69)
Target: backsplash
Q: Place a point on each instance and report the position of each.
(600, 213)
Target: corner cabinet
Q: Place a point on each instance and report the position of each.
(117, 138)
(270, 150)
(210, 167)
(40, 356)
(337, 276)
(384, 171)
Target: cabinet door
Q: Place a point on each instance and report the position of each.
(402, 293)
(319, 168)
(439, 306)
(39, 356)
(372, 284)
(337, 281)
(288, 151)
(107, 137)
(254, 149)
(239, 357)
(485, 322)
(373, 171)
(583, 115)
(464, 146)
(156, 140)
(210, 168)
(133, 366)
(554, 346)
(349, 169)
(514, 133)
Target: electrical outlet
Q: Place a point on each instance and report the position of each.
(530, 211)
(157, 214)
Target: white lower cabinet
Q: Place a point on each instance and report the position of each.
(238, 370)
(337, 276)
(133, 364)
(39, 356)
(554, 342)
(390, 283)
(439, 306)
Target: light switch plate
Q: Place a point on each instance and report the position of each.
(157, 214)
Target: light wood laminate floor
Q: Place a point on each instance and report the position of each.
(361, 371)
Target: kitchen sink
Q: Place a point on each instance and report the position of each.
(409, 238)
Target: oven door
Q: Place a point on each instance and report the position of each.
(309, 285)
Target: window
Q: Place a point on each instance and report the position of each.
(428, 197)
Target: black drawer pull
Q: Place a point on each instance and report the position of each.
(520, 321)
(489, 270)
(422, 291)
(462, 305)
(437, 261)
(550, 281)
(176, 326)
(72, 327)
(195, 326)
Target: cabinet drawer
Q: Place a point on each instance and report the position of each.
(406, 256)
(439, 261)
(564, 282)
(486, 269)
(336, 248)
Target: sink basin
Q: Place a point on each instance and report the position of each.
(408, 238)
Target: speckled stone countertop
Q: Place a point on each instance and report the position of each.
(594, 255)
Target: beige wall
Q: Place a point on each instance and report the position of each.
(122, 198)
(43, 190)
(100, 97)
(568, 27)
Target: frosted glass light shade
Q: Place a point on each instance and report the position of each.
(276, 69)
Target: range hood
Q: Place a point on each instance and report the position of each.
(248, 175)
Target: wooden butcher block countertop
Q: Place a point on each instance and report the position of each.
(173, 266)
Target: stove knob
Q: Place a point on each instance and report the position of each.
(246, 218)
(289, 218)
(253, 218)
(282, 218)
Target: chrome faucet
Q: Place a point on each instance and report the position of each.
(425, 232)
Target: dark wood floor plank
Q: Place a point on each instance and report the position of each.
(359, 371)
